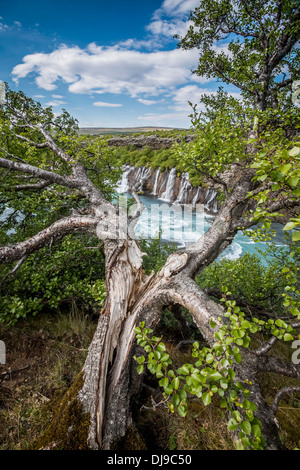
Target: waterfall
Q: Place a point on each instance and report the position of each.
(122, 184)
(142, 174)
(196, 197)
(167, 195)
(156, 182)
(185, 185)
(211, 200)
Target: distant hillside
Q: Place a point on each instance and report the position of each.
(121, 130)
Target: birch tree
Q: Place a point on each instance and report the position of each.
(255, 165)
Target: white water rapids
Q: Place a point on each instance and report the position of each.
(185, 223)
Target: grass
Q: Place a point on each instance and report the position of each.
(120, 131)
(54, 349)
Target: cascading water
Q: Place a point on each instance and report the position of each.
(154, 192)
(167, 195)
(122, 184)
(196, 197)
(211, 200)
(141, 176)
(185, 185)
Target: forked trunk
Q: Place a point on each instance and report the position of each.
(105, 389)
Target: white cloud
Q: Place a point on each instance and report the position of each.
(192, 93)
(18, 23)
(3, 26)
(183, 95)
(176, 7)
(97, 69)
(172, 18)
(57, 97)
(169, 28)
(39, 96)
(107, 105)
(147, 102)
(150, 44)
(55, 103)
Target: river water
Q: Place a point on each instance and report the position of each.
(182, 225)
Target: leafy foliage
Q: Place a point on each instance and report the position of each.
(211, 375)
(258, 288)
(258, 40)
(275, 287)
(160, 158)
(56, 277)
(157, 252)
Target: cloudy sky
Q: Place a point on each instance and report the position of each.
(109, 63)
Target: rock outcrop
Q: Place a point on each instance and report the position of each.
(168, 186)
(152, 141)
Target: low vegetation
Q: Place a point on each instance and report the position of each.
(47, 352)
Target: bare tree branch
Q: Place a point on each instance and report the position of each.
(37, 186)
(54, 232)
(39, 173)
(38, 145)
(267, 346)
(14, 270)
(283, 391)
(278, 366)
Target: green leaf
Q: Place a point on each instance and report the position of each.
(246, 427)
(182, 410)
(223, 403)
(155, 339)
(215, 375)
(161, 347)
(168, 390)
(295, 151)
(206, 398)
(296, 236)
(289, 226)
(164, 382)
(238, 358)
(183, 370)
(182, 395)
(293, 182)
(164, 357)
(175, 383)
(175, 399)
(284, 169)
(232, 424)
(246, 404)
(209, 358)
(256, 431)
(236, 415)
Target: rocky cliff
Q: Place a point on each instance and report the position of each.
(152, 141)
(168, 186)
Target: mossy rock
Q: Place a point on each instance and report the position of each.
(69, 427)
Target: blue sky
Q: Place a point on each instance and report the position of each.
(109, 63)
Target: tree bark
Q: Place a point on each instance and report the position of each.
(105, 389)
